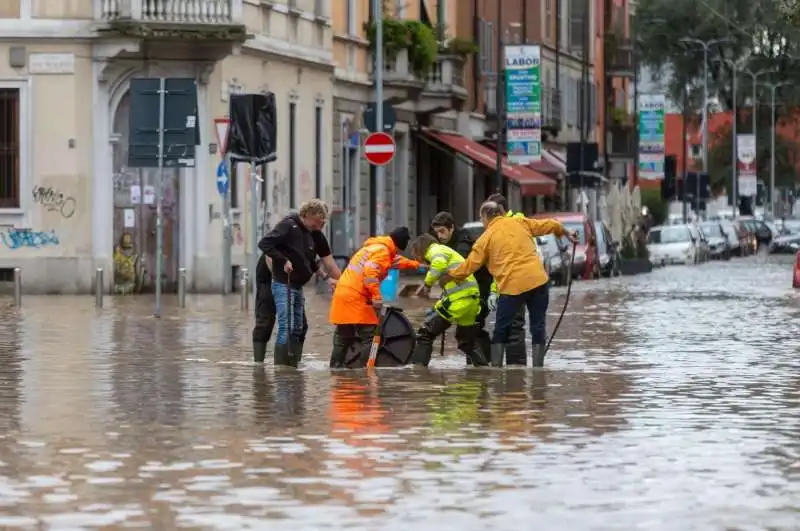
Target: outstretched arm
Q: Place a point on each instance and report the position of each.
(542, 227)
(474, 261)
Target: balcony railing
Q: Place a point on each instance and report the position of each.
(551, 108)
(446, 74)
(619, 57)
(622, 142)
(172, 11)
(397, 70)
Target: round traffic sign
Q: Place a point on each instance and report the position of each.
(379, 149)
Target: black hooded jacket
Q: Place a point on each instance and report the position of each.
(291, 240)
(461, 241)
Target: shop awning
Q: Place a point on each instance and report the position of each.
(531, 182)
(548, 165)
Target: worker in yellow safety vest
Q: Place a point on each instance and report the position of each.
(516, 351)
(459, 304)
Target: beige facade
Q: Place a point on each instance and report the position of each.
(67, 194)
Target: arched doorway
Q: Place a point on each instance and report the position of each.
(135, 192)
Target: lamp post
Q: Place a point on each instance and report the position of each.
(734, 67)
(773, 88)
(755, 76)
(706, 46)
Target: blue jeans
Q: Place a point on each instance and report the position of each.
(536, 300)
(280, 292)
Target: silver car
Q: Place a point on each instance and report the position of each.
(672, 244)
(717, 240)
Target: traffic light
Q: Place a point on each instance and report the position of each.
(668, 185)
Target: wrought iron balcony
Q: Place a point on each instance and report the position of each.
(619, 57)
(621, 142)
(551, 109)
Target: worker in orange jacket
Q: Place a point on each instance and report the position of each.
(357, 299)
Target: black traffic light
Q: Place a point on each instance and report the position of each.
(668, 185)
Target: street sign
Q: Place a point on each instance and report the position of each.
(221, 126)
(163, 122)
(222, 178)
(371, 119)
(379, 149)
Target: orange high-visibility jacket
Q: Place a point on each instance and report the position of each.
(360, 283)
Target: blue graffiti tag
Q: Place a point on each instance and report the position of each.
(16, 238)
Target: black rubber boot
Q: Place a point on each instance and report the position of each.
(484, 344)
(476, 358)
(295, 352)
(259, 352)
(538, 355)
(498, 352)
(422, 354)
(281, 355)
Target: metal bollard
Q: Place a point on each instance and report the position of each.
(182, 287)
(17, 287)
(98, 287)
(243, 292)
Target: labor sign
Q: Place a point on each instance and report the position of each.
(379, 149)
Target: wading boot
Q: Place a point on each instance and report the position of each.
(295, 352)
(259, 352)
(484, 345)
(476, 358)
(538, 355)
(422, 354)
(281, 355)
(498, 352)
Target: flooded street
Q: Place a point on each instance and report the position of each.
(670, 401)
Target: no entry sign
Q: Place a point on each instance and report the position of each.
(379, 149)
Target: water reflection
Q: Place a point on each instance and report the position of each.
(670, 402)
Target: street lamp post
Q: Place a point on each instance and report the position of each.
(773, 88)
(755, 76)
(734, 158)
(706, 46)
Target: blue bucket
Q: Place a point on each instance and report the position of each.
(390, 287)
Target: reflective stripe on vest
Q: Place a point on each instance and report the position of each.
(453, 260)
(364, 261)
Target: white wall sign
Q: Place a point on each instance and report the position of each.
(51, 63)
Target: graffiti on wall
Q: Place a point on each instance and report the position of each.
(54, 200)
(279, 206)
(28, 239)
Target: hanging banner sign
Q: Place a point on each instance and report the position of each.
(652, 147)
(523, 104)
(747, 177)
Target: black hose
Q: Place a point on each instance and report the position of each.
(566, 300)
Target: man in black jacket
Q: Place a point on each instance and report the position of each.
(291, 248)
(265, 303)
(444, 228)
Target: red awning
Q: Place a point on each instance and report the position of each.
(531, 182)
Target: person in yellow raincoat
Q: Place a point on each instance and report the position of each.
(459, 304)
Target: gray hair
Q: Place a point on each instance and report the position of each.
(492, 210)
(314, 207)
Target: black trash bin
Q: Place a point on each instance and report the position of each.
(398, 340)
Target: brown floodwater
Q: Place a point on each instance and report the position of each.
(669, 401)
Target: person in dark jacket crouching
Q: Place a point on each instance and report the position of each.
(291, 248)
(448, 233)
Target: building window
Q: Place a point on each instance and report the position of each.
(548, 20)
(318, 151)
(351, 17)
(292, 157)
(400, 10)
(10, 148)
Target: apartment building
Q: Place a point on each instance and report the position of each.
(67, 195)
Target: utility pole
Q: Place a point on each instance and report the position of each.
(755, 76)
(380, 181)
(773, 87)
(500, 100)
(734, 125)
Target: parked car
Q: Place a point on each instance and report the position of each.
(786, 244)
(555, 257)
(700, 242)
(587, 264)
(607, 251)
(762, 232)
(732, 235)
(717, 241)
(747, 237)
(672, 244)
